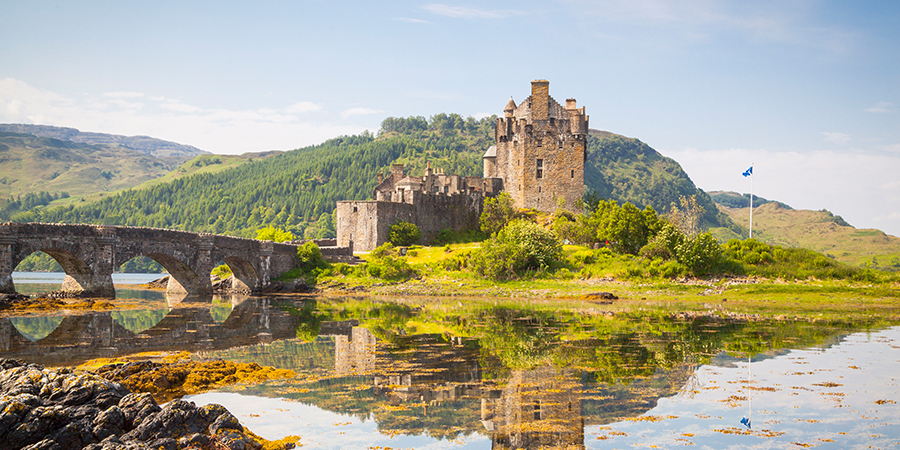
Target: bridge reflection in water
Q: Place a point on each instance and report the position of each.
(191, 324)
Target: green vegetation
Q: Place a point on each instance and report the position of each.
(403, 234)
(270, 233)
(819, 231)
(67, 171)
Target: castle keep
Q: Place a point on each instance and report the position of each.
(538, 159)
(540, 152)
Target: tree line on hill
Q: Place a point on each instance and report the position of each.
(297, 190)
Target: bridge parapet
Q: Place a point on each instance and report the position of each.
(90, 253)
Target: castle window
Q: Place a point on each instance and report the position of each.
(355, 209)
(539, 142)
(539, 189)
(560, 143)
(540, 168)
(573, 174)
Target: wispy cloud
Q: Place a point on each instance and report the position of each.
(837, 138)
(462, 12)
(881, 107)
(359, 112)
(411, 20)
(302, 107)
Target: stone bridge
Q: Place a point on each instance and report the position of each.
(90, 253)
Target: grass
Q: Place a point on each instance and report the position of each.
(626, 277)
(819, 231)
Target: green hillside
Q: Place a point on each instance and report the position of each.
(629, 170)
(297, 190)
(820, 231)
(170, 152)
(31, 164)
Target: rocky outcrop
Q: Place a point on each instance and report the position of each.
(43, 409)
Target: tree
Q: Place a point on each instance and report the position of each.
(270, 233)
(498, 211)
(686, 216)
(403, 234)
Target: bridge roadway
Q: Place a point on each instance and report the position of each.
(90, 253)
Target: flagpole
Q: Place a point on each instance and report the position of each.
(751, 200)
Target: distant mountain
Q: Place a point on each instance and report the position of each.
(736, 200)
(30, 164)
(297, 190)
(821, 231)
(171, 152)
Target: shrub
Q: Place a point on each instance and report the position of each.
(538, 244)
(403, 234)
(309, 257)
(497, 212)
(700, 254)
(389, 268)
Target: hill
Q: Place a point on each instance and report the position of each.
(629, 170)
(297, 190)
(820, 231)
(170, 152)
(31, 165)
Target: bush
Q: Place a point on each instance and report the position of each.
(385, 263)
(404, 234)
(518, 247)
(538, 244)
(389, 268)
(700, 254)
(309, 257)
(497, 212)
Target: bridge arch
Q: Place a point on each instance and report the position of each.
(90, 253)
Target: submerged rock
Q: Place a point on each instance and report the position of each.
(44, 409)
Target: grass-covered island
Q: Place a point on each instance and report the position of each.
(610, 252)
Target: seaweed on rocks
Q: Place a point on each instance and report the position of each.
(56, 409)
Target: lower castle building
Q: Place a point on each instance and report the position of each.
(539, 156)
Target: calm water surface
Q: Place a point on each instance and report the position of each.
(479, 375)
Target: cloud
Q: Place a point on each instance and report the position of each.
(302, 107)
(411, 20)
(122, 94)
(359, 112)
(215, 130)
(881, 107)
(838, 138)
(462, 12)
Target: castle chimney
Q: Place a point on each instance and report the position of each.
(428, 170)
(397, 169)
(540, 99)
(570, 104)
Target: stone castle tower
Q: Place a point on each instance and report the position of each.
(540, 151)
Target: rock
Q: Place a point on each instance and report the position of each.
(43, 409)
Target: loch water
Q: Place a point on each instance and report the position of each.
(492, 373)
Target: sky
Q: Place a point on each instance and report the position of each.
(808, 92)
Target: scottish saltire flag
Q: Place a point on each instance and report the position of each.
(745, 421)
(748, 172)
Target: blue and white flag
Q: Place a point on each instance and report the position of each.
(745, 421)
(748, 172)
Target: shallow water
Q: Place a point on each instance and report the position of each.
(429, 376)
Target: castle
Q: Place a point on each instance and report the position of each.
(538, 159)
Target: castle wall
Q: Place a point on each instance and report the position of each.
(367, 224)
